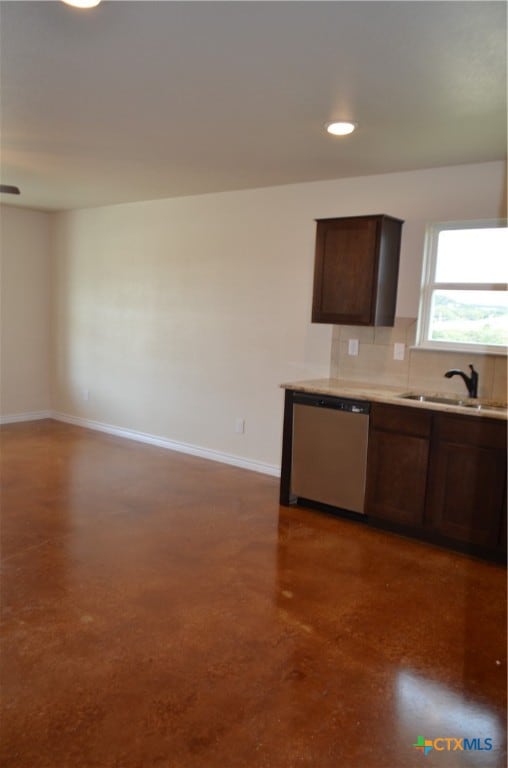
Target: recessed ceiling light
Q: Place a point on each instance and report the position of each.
(82, 3)
(341, 128)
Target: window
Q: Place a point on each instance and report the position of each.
(464, 300)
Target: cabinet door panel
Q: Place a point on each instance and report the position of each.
(466, 492)
(348, 269)
(397, 476)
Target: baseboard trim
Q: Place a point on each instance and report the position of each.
(12, 418)
(172, 445)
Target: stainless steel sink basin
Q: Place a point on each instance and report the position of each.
(484, 407)
(476, 405)
(433, 399)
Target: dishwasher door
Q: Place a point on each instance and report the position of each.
(329, 459)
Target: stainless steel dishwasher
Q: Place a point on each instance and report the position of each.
(329, 458)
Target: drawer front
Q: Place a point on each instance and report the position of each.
(470, 430)
(400, 419)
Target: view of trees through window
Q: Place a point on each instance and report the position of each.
(459, 320)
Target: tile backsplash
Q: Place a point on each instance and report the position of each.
(420, 369)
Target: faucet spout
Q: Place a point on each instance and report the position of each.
(471, 382)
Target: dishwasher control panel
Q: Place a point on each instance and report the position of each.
(329, 401)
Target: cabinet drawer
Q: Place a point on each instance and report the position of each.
(400, 419)
(470, 430)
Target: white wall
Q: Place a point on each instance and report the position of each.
(180, 315)
(25, 312)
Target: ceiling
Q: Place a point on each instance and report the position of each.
(144, 100)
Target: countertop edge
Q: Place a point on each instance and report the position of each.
(389, 395)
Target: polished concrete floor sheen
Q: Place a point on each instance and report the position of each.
(159, 610)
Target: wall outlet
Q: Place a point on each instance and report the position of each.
(399, 351)
(86, 393)
(352, 347)
(240, 426)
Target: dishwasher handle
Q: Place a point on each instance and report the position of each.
(332, 402)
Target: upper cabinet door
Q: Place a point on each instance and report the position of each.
(356, 270)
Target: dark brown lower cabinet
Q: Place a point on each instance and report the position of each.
(439, 476)
(397, 464)
(467, 480)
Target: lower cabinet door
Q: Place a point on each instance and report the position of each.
(397, 477)
(467, 492)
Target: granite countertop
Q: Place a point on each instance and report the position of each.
(482, 407)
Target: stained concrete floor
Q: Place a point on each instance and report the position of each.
(162, 610)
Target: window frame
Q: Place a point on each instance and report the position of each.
(429, 285)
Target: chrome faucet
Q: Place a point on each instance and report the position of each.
(471, 382)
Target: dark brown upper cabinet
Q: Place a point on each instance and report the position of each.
(356, 270)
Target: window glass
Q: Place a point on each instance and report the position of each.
(477, 317)
(472, 256)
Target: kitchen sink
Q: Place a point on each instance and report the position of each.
(484, 407)
(433, 399)
(476, 405)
